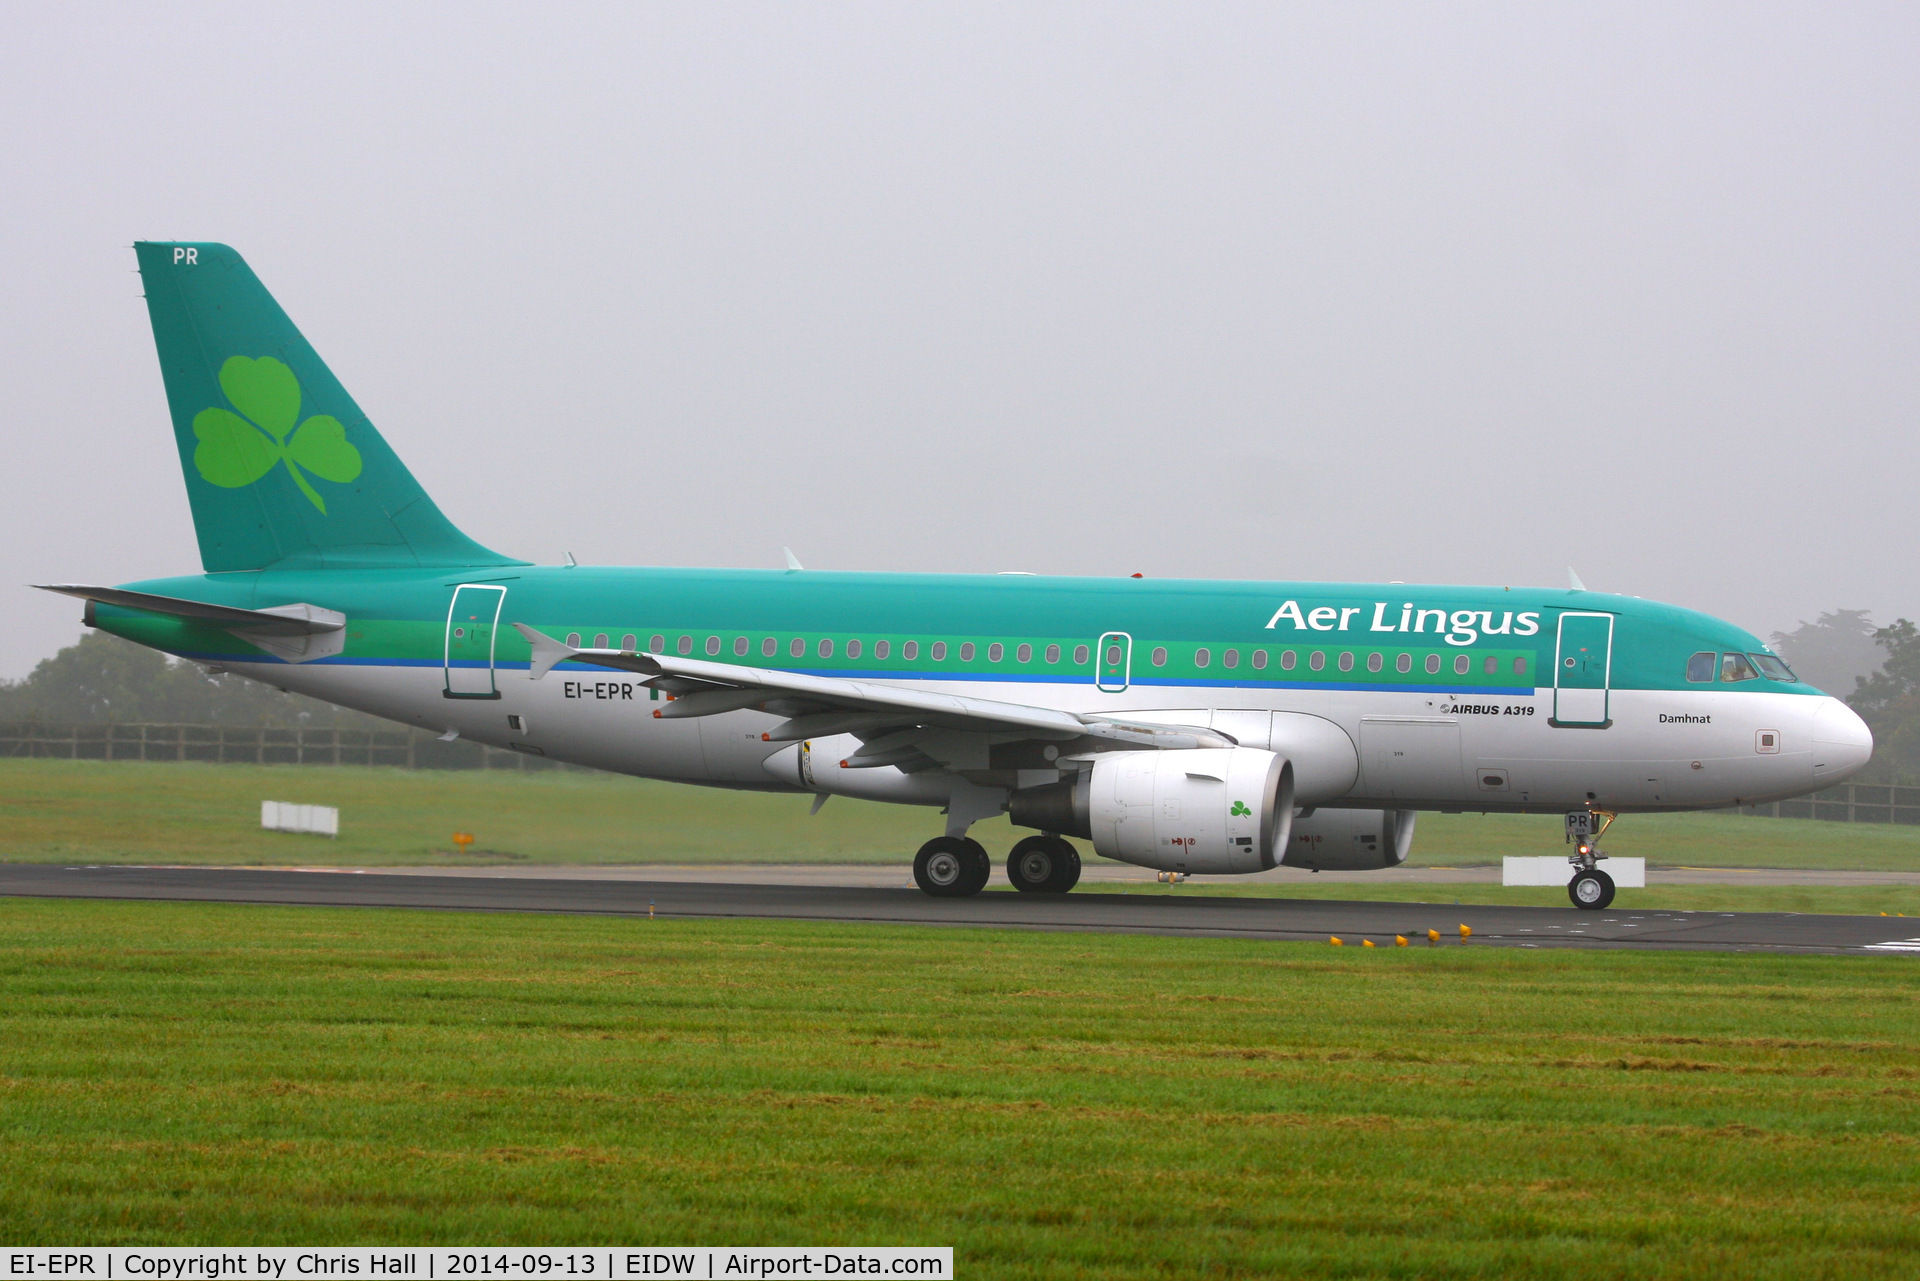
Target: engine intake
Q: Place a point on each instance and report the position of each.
(1222, 809)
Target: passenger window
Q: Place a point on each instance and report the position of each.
(1159, 656)
(1024, 654)
(1403, 664)
(1519, 667)
(910, 651)
(1317, 660)
(798, 649)
(1287, 660)
(1735, 667)
(1081, 653)
(826, 649)
(628, 643)
(769, 647)
(713, 645)
(939, 651)
(1202, 657)
(600, 641)
(573, 640)
(966, 651)
(739, 646)
(1700, 667)
(853, 649)
(995, 652)
(1772, 668)
(658, 644)
(1346, 662)
(881, 649)
(1376, 661)
(1461, 665)
(1433, 664)
(1492, 665)
(686, 645)
(1260, 660)
(1230, 659)
(1053, 653)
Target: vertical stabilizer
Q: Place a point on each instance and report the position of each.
(282, 468)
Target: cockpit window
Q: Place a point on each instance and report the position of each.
(1735, 667)
(1700, 667)
(1772, 668)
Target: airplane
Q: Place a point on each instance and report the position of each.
(1187, 726)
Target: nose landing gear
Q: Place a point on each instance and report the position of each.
(1590, 889)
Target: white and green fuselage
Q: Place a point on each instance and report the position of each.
(971, 693)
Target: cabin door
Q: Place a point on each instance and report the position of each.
(1582, 670)
(472, 619)
(1113, 662)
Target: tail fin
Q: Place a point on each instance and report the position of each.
(282, 468)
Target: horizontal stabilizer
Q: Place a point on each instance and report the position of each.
(297, 633)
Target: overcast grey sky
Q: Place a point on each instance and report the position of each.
(1424, 292)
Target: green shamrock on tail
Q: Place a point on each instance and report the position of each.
(1239, 808)
(235, 452)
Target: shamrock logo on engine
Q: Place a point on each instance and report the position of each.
(1239, 810)
(237, 449)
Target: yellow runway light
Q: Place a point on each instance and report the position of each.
(1399, 940)
(1335, 940)
(1466, 932)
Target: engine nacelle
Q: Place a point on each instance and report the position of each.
(1214, 809)
(1349, 840)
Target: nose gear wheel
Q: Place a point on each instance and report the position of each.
(1590, 889)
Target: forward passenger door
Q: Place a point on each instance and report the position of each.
(1583, 670)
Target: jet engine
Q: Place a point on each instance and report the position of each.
(1349, 840)
(1217, 809)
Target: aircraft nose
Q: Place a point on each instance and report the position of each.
(1842, 743)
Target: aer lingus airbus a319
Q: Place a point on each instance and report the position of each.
(1190, 726)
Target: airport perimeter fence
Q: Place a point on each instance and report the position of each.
(1848, 803)
(417, 749)
(256, 745)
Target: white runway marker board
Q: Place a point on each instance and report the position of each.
(1627, 873)
(315, 820)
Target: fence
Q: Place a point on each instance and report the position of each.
(1849, 803)
(416, 749)
(254, 745)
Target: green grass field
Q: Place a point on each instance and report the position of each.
(1051, 1105)
(98, 812)
(1861, 900)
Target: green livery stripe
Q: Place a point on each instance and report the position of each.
(401, 618)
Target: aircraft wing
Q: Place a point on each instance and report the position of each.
(898, 725)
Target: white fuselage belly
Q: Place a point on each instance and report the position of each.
(1415, 750)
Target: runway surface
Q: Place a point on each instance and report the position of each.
(1100, 874)
(1298, 920)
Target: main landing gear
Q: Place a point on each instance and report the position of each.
(1590, 889)
(1044, 865)
(952, 867)
(958, 866)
